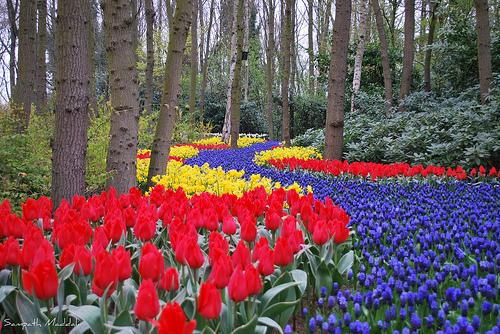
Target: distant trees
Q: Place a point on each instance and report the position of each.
(483, 48)
(408, 50)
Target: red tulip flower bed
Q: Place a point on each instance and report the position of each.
(376, 170)
(135, 262)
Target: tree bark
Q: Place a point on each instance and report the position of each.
(166, 122)
(41, 67)
(236, 86)
(226, 128)
(270, 67)
(334, 132)
(25, 83)
(285, 55)
(119, 22)
(358, 60)
(204, 79)
(12, 14)
(384, 54)
(408, 49)
(159, 10)
(310, 45)
(246, 33)
(483, 48)
(150, 55)
(72, 100)
(428, 51)
(194, 62)
(170, 14)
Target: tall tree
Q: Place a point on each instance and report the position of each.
(334, 132)
(204, 79)
(72, 99)
(483, 48)
(12, 8)
(41, 66)
(168, 111)
(236, 82)
(384, 54)
(358, 59)
(150, 55)
(408, 49)
(246, 37)
(194, 61)
(428, 50)
(120, 25)
(25, 84)
(286, 31)
(270, 46)
(310, 44)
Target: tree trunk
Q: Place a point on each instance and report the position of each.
(428, 51)
(204, 79)
(323, 39)
(236, 86)
(25, 84)
(41, 67)
(150, 56)
(409, 49)
(226, 128)
(246, 33)
(483, 48)
(310, 45)
(12, 14)
(119, 21)
(358, 60)
(270, 69)
(384, 54)
(166, 122)
(170, 14)
(334, 132)
(194, 62)
(159, 10)
(72, 100)
(285, 56)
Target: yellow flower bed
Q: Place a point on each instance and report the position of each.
(243, 141)
(298, 152)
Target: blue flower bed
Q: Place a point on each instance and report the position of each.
(428, 253)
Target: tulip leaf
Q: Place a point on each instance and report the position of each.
(81, 328)
(123, 319)
(66, 272)
(208, 330)
(300, 276)
(4, 276)
(324, 278)
(248, 328)
(345, 262)
(274, 292)
(5, 291)
(270, 323)
(91, 315)
(30, 314)
(9, 306)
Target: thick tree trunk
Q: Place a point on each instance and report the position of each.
(428, 51)
(483, 48)
(358, 60)
(72, 100)
(204, 79)
(119, 20)
(384, 54)
(226, 128)
(270, 68)
(194, 62)
(12, 14)
(334, 132)
(25, 84)
(159, 11)
(41, 67)
(246, 33)
(409, 49)
(310, 45)
(166, 122)
(285, 56)
(236, 86)
(150, 56)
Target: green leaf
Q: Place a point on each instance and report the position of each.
(274, 292)
(345, 262)
(270, 323)
(30, 314)
(123, 319)
(4, 276)
(248, 328)
(81, 328)
(324, 278)
(208, 330)
(300, 277)
(5, 291)
(66, 272)
(91, 315)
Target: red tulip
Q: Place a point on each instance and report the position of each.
(217, 245)
(114, 225)
(13, 251)
(79, 255)
(147, 304)
(3, 256)
(145, 226)
(174, 321)
(209, 301)
(283, 255)
(254, 283)
(248, 230)
(123, 263)
(340, 233)
(229, 225)
(237, 285)
(151, 264)
(321, 234)
(41, 280)
(222, 269)
(266, 262)
(273, 220)
(33, 237)
(189, 252)
(169, 280)
(261, 245)
(105, 274)
(241, 255)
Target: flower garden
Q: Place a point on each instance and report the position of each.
(260, 239)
